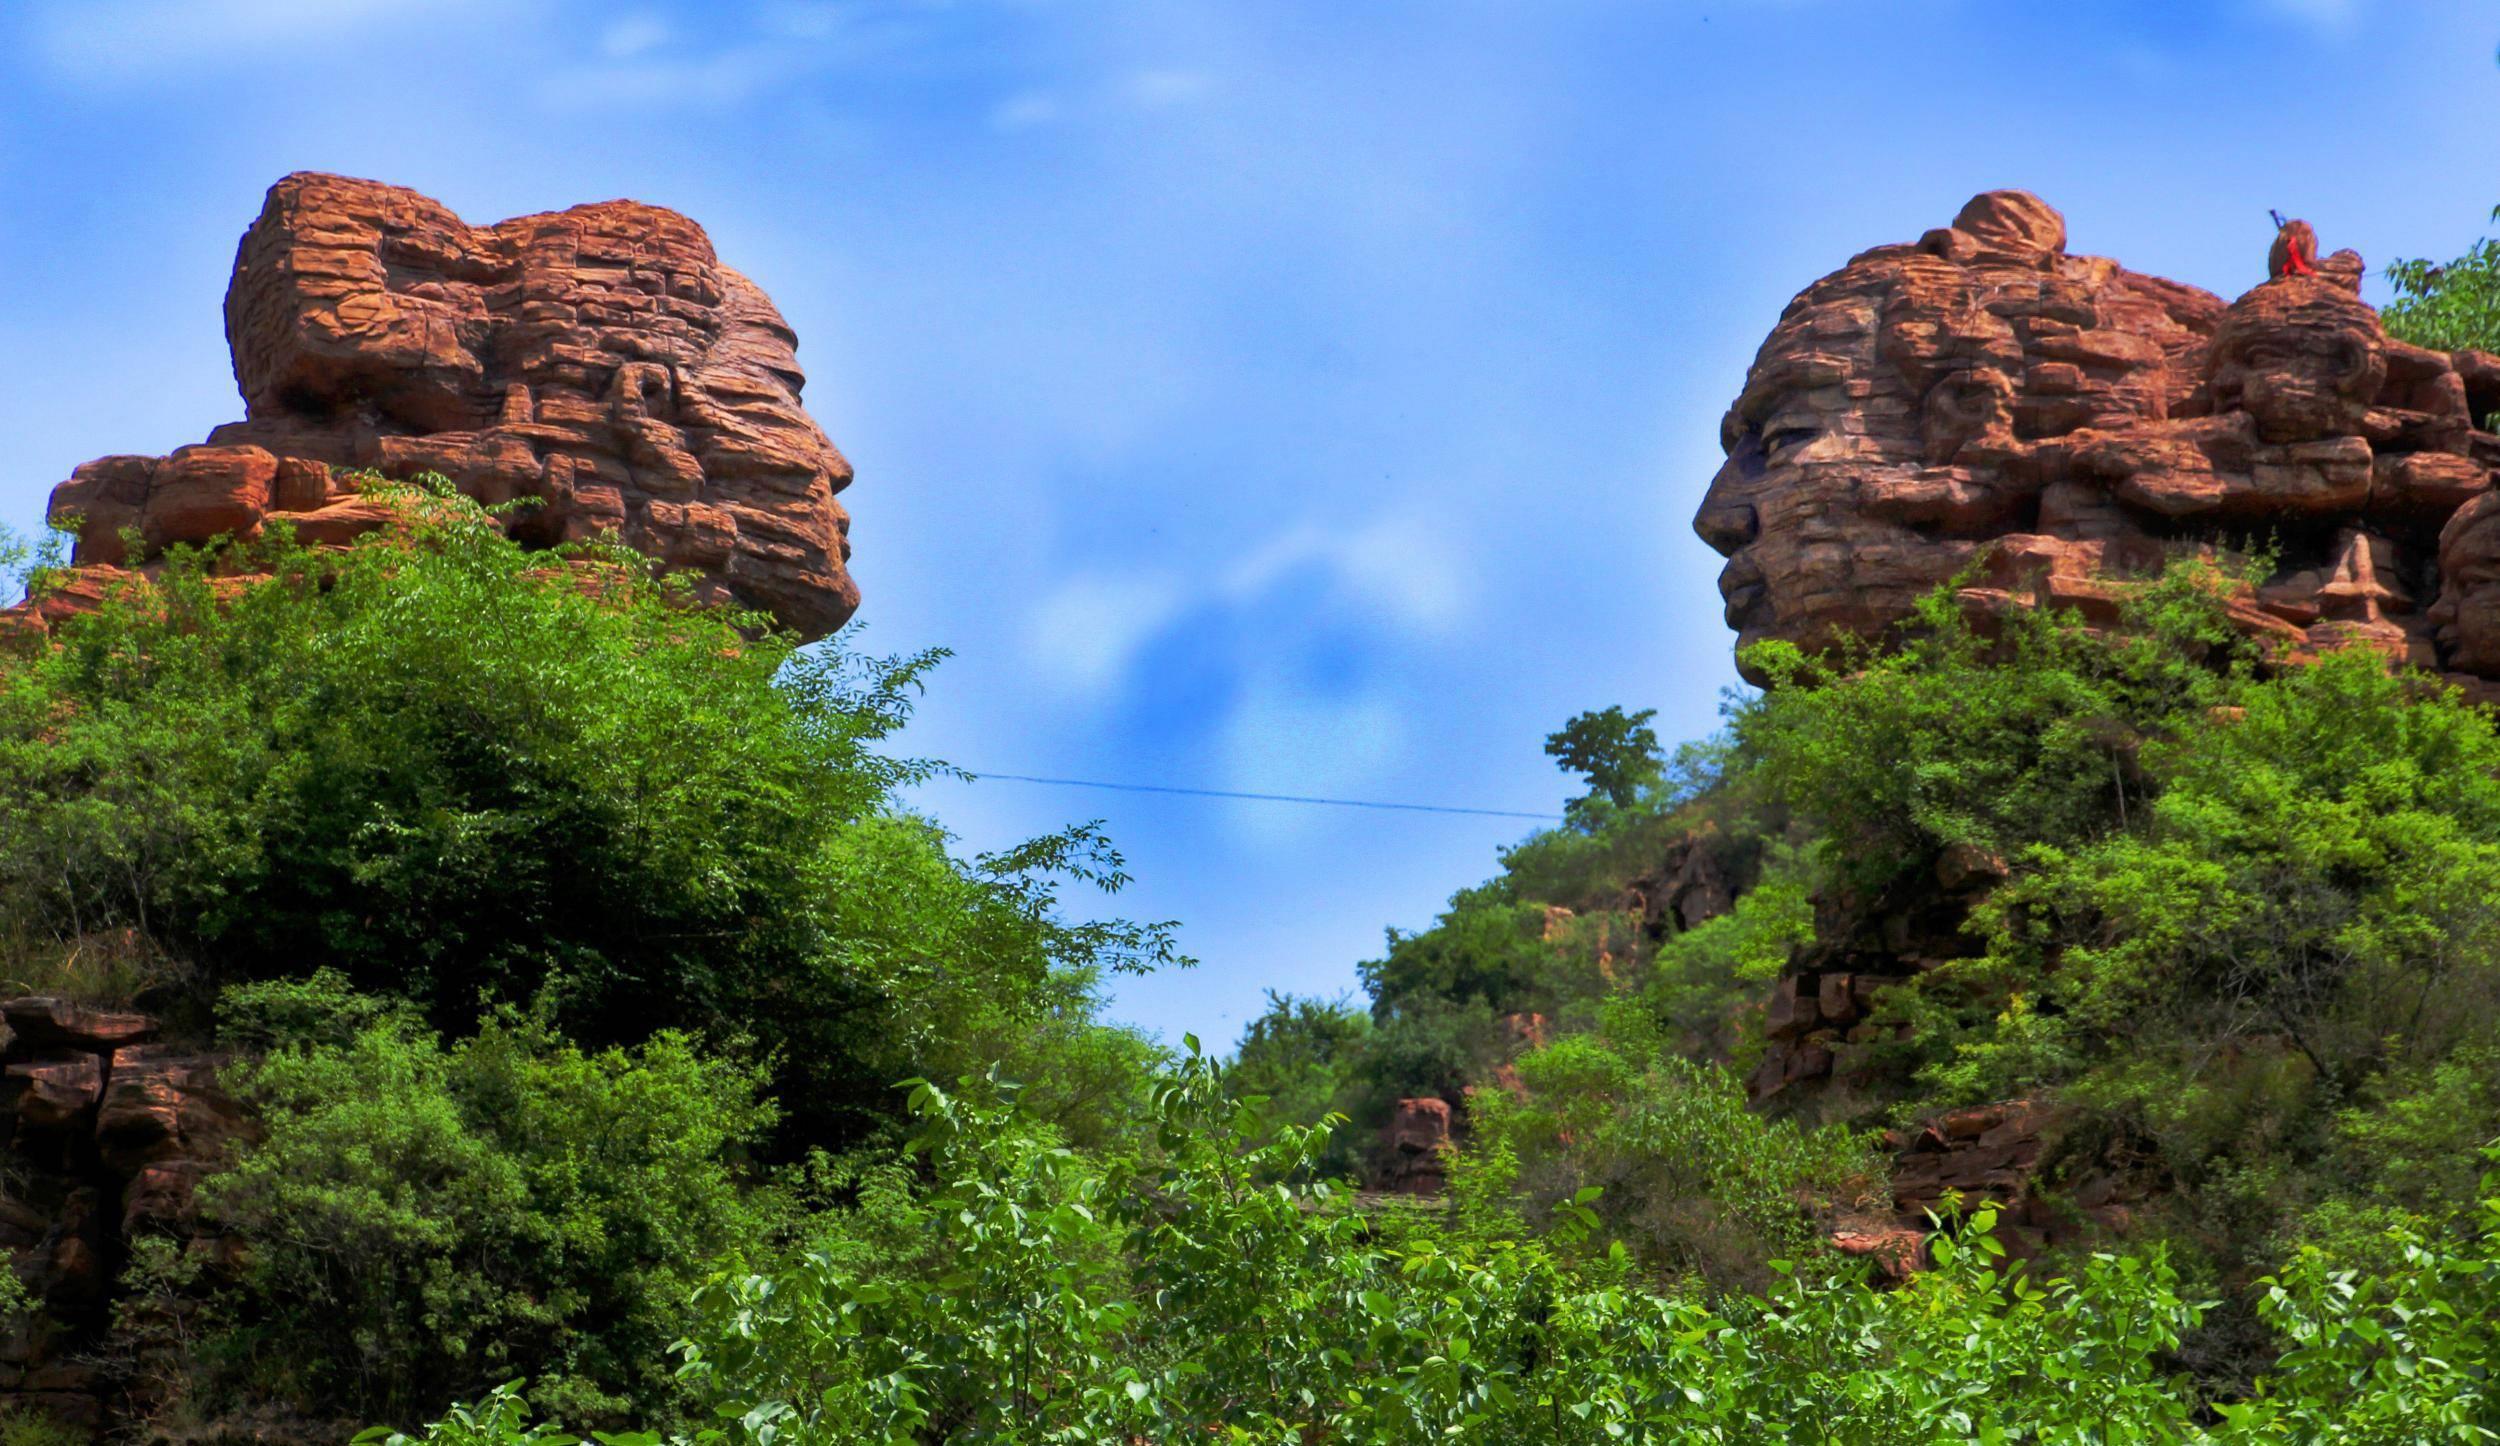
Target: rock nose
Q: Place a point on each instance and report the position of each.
(1727, 526)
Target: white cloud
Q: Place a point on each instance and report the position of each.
(1404, 574)
(1155, 89)
(1024, 111)
(1280, 741)
(1400, 565)
(1084, 635)
(111, 38)
(633, 35)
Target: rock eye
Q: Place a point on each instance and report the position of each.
(1780, 439)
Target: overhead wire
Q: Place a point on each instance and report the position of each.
(978, 774)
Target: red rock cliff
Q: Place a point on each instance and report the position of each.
(601, 361)
(1983, 396)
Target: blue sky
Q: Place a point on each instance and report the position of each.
(1299, 397)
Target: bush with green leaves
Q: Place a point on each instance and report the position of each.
(1193, 1298)
(2448, 305)
(428, 1217)
(458, 771)
(1694, 1181)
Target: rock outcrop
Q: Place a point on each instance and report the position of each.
(1982, 397)
(599, 365)
(108, 1131)
(1415, 1148)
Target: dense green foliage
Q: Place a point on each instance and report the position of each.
(571, 934)
(570, 938)
(428, 1216)
(1615, 751)
(2240, 936)
(1089, 1301)
(457, 771)
(1681, 1171)
(2448, 305)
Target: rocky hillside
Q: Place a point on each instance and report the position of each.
(2047, 873)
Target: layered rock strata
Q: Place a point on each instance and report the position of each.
(1982, 398)
(599, 366)
(109, 1131)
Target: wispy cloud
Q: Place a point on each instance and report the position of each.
(1117, 97)
(1084, 635)
(1283, 740)
(1024, 110)
(112, 39)
(634, 35)
(1391, 578)
(2333, 15)
(1156, 89)
(649, 78)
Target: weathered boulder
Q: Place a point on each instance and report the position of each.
(51, 1096)
(163, 1103)
(1415, 1147)
(600, 365)
(1983, 398)
(40, 1022)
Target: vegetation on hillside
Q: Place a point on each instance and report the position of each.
(2244, 942)
(571, 939)
(575, 934)
(2448, 305)
(1089, 1300)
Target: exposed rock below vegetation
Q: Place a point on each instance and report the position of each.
(599, 364)
(108, 1132)
(1415, 1147)
(1980, 396)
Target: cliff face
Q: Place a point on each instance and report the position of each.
(1982, 397)
(107, 1133)
(600, 363)
(1982, 405)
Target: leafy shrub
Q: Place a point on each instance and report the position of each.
(460, 771)
(2448, 305)
(1680, 1168)
(1305, 1057)
(428, 1218)
(1080, 1301)
(1616, 752)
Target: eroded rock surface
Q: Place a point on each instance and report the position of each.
(600, 362)
(1415, 1147)
(104, 1134)
(1983, 396)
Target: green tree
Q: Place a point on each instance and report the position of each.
(1614, 751)
(462, 771)
(427, 1219)
(2448, 305)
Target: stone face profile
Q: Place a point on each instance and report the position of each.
(1981, 398)
(600, 362)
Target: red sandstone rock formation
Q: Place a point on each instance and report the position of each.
(107, 1133)
(1415, 1147)
(600, 362)
(1983, 395)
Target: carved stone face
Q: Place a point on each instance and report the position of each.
(2467, 614)
(1983, 405)
(599, 361)
(2307, 366)
(1884, 433)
